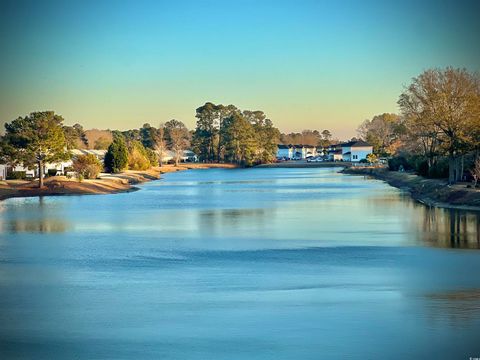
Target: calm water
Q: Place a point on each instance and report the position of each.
(239, 264)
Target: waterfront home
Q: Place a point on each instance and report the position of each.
(304, 151)
(334, 152)
(62, 166)
(187, 156)
(335, 155)
(3, 172)
(296, 151)
(321, 151)
(356, 150)
(99, 154)
(59, 167)
(310, 150)
(284, 151)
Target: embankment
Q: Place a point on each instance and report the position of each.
(432, 192)
(105, 184)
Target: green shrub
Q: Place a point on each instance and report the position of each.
(16, 175)
(395, 163)
(138, 158)
(87, 166)
(421, 168)
(152, 157)
(439, 170)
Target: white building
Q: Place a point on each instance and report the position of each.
(59, 167)
(3, 172)
(356, 150)
(310, 150)
(187, 156)
(334, 152)
(285, 151)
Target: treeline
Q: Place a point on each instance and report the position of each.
(41, 137)
(78, 138)
(309, 137)
(225, 133)
(437, 132)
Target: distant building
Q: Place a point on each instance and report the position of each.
(3, 172)
(310, 150)
(187, 156)
(284, 152)
(99, 154)
(334, 152)
(62, 166)
(356, 150)
(296, 151)
(59, 167)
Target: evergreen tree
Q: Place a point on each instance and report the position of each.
(116, 158)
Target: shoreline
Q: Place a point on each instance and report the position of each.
(304, 164)
(105, 184)
(430, 192)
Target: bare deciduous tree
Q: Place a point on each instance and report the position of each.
(178, 138)
(160, 143)
(445, 103)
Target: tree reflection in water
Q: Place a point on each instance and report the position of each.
(38, 219)
(450, 228)
(457, 307)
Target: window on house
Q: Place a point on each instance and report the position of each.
(355, 157)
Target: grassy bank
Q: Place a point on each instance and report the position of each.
(432, 192)
(105, 184)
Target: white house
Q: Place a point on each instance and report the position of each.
(187, 156)
(356, 150)
(3, 172)
(334, 152)
(335, 155)
(62, 165)
(99, 154)
(285, 151)
(310, 150)
(58, 167)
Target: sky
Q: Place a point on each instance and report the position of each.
(307, 64)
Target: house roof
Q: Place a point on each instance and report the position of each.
(339, 151)
(358, 143)
(77, 152)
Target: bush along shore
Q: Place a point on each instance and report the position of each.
(431, 192)
(105, 184)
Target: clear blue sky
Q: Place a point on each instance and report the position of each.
(307, 64)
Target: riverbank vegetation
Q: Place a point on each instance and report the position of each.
(224, 134)
(228, 134)
(431, 192)
(437, 133)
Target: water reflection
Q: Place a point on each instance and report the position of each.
(287, 263)
(34, 215)
(458, 308)
(42, 225)
(450, 228)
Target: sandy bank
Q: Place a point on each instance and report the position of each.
(105, 184)
(432, 192)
